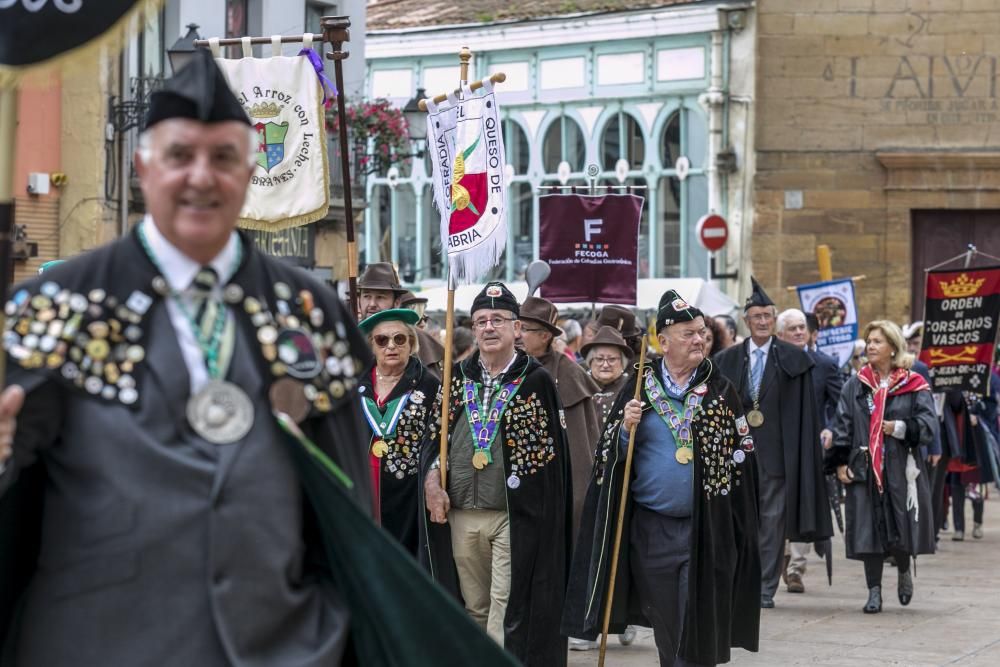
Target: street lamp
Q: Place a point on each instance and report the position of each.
(182, 51)
(416, 120)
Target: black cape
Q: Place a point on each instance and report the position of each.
(723, 608)
(380, 584)
(539, 510)
(398, 487)
(789, 408)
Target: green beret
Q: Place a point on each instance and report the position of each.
(404, 315)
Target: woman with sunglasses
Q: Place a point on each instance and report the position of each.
(397, 396)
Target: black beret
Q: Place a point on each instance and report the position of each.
(496, 296)
(198, 92)
(674, 309)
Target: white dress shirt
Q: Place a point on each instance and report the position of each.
(179, 270)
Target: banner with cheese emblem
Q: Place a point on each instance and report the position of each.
(283, 97)
(469, 189)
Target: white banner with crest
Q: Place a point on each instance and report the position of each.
(284, 98)
(466, 141)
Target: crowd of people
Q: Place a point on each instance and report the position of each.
(178, 402)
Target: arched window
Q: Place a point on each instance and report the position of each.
(563, 141)
(622, 138)
(516, 145)
(682, 195)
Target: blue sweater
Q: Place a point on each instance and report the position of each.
(661, 484)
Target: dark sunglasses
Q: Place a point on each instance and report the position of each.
(399, 340)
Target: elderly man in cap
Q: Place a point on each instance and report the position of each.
(607, 357)
(164, 518)
(827, 382)
(576, 391)
(774, 383)
(503, 523)
(688, 564)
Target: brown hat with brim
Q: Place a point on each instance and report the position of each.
(607, 336)
(410, 298)
(620, 319)
(381, 276)
(543, 312)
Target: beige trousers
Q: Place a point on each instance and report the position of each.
(799, 557)
(480, 540)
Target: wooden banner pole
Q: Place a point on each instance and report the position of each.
(335, 31)
(616, 551)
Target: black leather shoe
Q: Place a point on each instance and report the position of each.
(766, 602)
(874, 604)
(905, 588)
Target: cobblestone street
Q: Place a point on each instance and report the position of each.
(954, 618)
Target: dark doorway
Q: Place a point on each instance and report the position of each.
(942, 234)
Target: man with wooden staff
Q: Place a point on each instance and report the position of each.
(774, 383)
(504, 521)
(688, 564)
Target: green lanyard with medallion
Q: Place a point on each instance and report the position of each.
(220, 412)
(383, 422)
(679, 423)
(483, 433)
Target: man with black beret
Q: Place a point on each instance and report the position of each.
(688, 565)
(503, 523)
(774, 382)
(155, 510)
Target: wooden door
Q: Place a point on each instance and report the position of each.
(939, 235)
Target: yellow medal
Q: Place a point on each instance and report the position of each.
(684, 455)
(380, 448)
(479, 460)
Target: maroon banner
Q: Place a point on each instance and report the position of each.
(960, 326)
(591, 244)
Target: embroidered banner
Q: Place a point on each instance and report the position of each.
(282, 95)
(960, 328)
(592, 246)
(469, 187)
(836, 311)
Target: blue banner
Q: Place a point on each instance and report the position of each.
(833, 305)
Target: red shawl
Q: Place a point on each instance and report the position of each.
(900, 381)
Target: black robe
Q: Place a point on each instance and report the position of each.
(539, 509)
(880, 523)
(380, 586)
(789, 408)
(723, 608)
(398, 487)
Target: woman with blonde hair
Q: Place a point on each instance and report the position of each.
(884, 416)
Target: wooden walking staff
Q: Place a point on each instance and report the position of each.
(8, 127)
(621, 512)
(335, 31)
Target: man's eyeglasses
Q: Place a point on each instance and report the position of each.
(607, 361)
(761, 317)
(399, 340)
(497, 322)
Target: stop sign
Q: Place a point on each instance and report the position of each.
(713, 232)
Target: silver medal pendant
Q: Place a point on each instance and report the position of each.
(220, 412)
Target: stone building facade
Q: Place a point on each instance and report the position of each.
(878, 129)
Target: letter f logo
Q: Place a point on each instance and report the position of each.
(592, 227)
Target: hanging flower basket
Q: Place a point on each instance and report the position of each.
(379, 133)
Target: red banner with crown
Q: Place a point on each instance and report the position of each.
(960, 328)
